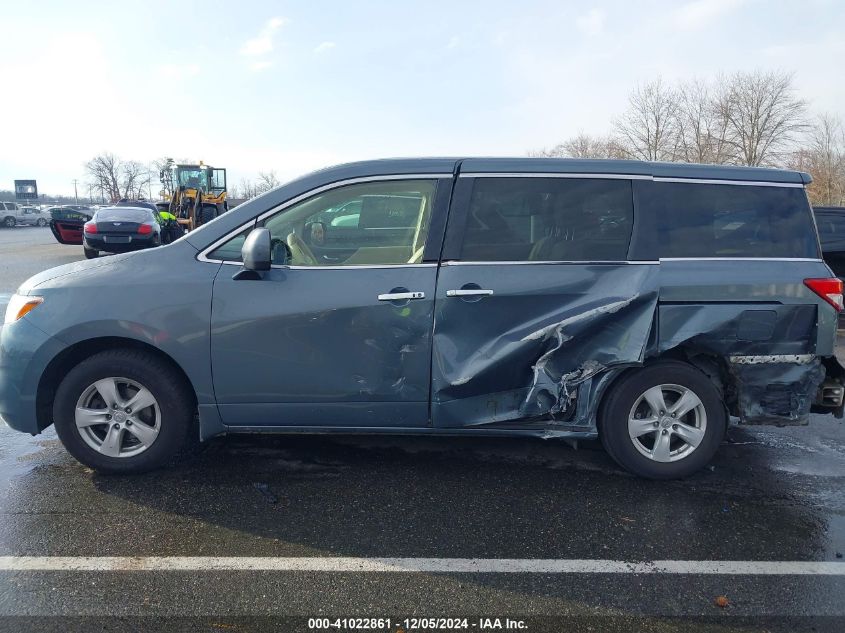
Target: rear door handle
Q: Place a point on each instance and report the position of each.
(401, 296)
(469, 292)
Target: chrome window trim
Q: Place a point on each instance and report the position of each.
(534, 263)
(487, 174)
(697, 181)
(649, 262)
(714, 181)
(350, 267)
(741, 259)
(203, 255)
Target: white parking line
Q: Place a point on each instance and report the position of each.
(430, 565)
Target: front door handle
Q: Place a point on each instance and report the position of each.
(401, 296)
(469, 292)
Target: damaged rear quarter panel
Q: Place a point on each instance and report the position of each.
(539, 352)
(768, 330)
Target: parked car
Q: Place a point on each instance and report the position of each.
(12, 214)
(831, 224)
(121, 229)
(640, 303)
(66, 223)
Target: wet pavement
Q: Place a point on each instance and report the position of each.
(770, 495)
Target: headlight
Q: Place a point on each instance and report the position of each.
(19, 305)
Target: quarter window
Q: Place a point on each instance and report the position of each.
(715, 220)
(548, 219)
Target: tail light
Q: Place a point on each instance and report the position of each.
(145, 229)
(90, 227)
(828, 289)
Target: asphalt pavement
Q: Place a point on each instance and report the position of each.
(263, 533)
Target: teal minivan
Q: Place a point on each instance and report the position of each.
(644, 304)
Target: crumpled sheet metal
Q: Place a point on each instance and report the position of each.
(538, 360)
(545, 368)
(776, 393)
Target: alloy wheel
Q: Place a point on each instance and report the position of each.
(667, 422)
(118, 417)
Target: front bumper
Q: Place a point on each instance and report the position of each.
(25, 352)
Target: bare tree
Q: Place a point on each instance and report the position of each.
(104, 175)
(114, 178)
(247, 189)
(162, 166)
(583, 145)
(702, 127)
(824, 159)
(135, 177)
(764, 116)
(647, 129)
(267, 180)
(557, 151)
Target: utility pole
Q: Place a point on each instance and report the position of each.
(75, 195)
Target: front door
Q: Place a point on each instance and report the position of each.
(535, 299)
(340, 335)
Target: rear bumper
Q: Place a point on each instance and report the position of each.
(99, 243)
(25, 352)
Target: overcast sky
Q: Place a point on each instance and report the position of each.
(292, 86)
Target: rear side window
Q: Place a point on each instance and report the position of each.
(712, 220)
(548, 219)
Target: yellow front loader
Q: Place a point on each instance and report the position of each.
(199, 193)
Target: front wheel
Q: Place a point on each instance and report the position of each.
(10, 222)
(207, 213)
(123, 411)
(664, 421)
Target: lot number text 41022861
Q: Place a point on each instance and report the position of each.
(416, 624)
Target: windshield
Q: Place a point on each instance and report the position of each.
(123, 214)
(193, 178)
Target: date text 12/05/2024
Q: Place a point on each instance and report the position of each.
(416, 624)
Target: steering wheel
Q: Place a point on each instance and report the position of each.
(277, 247)
(300, 253)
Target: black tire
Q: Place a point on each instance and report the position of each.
(168, 387)
(90, 253)
(620, 401)
(207, 213)
(9, 222)
(42, 222)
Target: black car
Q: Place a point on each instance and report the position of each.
(121, 229)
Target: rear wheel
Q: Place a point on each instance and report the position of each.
(123, 411)
(42, 222)
(663, 421)
(9, 222)
(90, 253)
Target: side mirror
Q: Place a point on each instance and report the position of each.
(257, 250)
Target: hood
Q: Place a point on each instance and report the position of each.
(131, 264)
(76, 268)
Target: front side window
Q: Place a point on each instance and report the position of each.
(374, 223)
(718, 220)
(548, 219)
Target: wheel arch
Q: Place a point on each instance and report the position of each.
(713, 366)
(68, 358)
